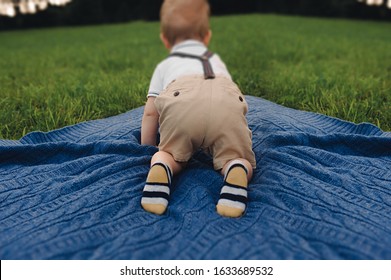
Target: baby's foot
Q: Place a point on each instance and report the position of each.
(233, 195)
(156, 193)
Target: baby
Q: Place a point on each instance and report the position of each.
(195, 105)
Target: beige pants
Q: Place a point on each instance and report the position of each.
(204, 114)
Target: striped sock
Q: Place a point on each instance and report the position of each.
(233, 195)
(156, 193)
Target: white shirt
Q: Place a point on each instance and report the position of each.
(174, 67)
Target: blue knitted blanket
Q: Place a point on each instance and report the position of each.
(322, 190)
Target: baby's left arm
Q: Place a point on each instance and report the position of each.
(150, 123)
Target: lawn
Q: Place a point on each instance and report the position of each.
(51, 78)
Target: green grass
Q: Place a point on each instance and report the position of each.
(55, 77)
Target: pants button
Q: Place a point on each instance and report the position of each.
(176, 93)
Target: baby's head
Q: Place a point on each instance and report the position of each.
(184, 19)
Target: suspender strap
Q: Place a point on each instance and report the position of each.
(208, 71)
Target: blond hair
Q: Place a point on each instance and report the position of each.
(184, 19)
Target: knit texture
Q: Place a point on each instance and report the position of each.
(321, 190)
